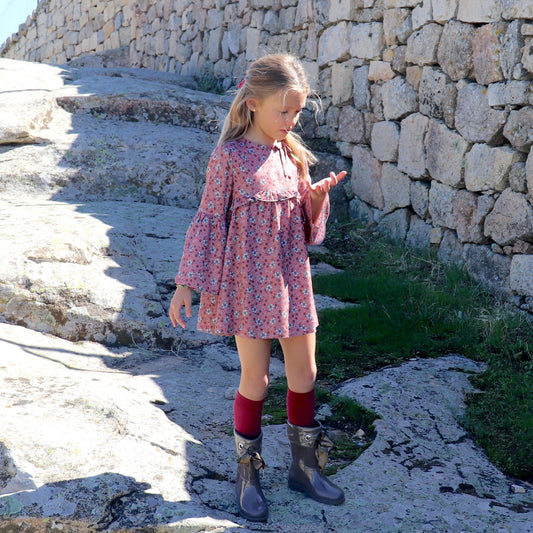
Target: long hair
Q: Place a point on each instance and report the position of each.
(266, 76)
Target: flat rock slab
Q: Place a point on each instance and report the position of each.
(100, 271)
(131, 438)
(27, 100)
(423, 472)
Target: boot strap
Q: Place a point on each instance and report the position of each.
(324, 446)
(253, 458)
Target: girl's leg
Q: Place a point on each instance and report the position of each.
(306, 436)
(254, 355)
(248, 407)
(300, 367)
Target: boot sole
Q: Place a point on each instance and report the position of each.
(298, 487)
(253, 518)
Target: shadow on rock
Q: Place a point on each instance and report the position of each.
(104, 502)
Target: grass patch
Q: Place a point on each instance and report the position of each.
(409, 305)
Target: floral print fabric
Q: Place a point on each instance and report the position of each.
(245, 249)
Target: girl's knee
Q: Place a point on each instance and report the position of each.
(254, 386)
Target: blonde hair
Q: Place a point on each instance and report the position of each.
(266, 76)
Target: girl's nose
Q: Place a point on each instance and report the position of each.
(293, 121)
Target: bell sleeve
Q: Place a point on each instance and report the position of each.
(203, 253)
(315, 232)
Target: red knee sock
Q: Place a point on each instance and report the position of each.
(247, 415)
(301, 408)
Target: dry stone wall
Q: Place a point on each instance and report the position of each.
(430, 99)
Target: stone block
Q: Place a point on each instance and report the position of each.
(475, 120)
(479, 11)
(160, 42)
(444, 10)
(413, 74)
(437, 95)
(423, 44)
(513, 9)
(385, 139)
(401, 3)
(396, 26)
(529, 175)
(512, 92)
(511, 219)
(455, 50)
(441, 199)
(351, 125)
(334, 43)
(271, 22)
(380, 71)
(360, 210)
(521, 274)
(253, 38)
(412, 151)
(527, 55)
(361, 93)
(395, 186)
(518, 129)
(286, 18)
(376, 100)
(366, 40)
(517, 177)
(512, 43)
(450, 249)
(420, 198)
(343, 10)
(304, 13)
(488, 268)
(456, 209)
(446, 151)
(486, 52)
(422, 14)
(395, 225)
(399, 64)
(366, 177)
(487, 167)
(399, 99)
(342, 82)
(469, 217)
(419, 234)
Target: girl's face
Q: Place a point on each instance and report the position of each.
(274, 116)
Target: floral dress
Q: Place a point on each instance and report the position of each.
(245, 249)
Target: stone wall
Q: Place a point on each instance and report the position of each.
(430, 99)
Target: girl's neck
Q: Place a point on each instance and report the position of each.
(257, 136)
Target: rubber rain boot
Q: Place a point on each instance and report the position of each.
(251, 501)
(310, 449)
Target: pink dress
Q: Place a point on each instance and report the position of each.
(245, 249)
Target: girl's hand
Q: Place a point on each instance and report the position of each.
(324, 186)
(319, 190)
(182, 298)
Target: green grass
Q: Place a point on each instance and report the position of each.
(409, 305)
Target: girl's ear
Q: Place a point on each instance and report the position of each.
(251, 104)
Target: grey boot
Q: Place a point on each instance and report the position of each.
(250, 498)
(310, 448)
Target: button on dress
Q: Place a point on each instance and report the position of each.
(245, 249)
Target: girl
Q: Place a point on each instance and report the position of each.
(245, 250)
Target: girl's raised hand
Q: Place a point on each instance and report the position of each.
(325, 185)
